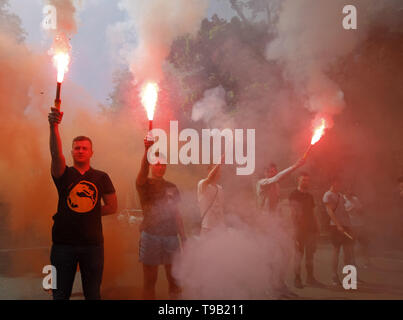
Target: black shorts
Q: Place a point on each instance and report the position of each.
(339, 238)
(305, 241)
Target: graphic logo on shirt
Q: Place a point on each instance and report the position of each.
(83, 197)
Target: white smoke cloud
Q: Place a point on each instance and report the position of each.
(243, 262)
(157, 24)
(210, 109)
(310, 38)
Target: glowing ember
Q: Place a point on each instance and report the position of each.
(319, 131)
(149, 96)
(61, 61)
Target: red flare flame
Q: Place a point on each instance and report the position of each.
(318, 132)
(61, 61)
(149, 97)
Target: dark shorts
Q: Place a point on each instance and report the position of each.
(338, 238)
(156, 250)
(305, 241)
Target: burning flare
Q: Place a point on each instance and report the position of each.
(61, 61)
(149, 97)
(319, 131)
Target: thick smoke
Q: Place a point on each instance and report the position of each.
(66, 24)
(305, 56)
(157, 24)
(243, 261)
(210, 109)
(66, 15)
(310, 38)
(232, 263)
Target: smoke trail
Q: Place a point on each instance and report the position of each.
(66, 25)
(158, 23)
(309, 40)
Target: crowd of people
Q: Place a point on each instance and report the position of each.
(77, 230)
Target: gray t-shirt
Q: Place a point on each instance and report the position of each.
(336, 202)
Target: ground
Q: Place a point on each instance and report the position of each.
(382, 280)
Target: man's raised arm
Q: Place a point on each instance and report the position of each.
(282, 174)
(58, 161)
(144, 169)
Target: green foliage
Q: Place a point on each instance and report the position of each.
(198, 59)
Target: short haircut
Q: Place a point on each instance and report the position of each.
(82, 138)
(400, 179)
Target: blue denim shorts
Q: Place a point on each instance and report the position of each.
(155, 250)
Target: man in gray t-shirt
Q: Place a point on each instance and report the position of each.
(340, 228)
(335, 201)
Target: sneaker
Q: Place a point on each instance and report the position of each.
(298, 283)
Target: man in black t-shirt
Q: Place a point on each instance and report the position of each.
(306, 229)
(161, 225)
(77, 229)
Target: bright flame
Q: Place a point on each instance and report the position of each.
(149, 97)
(61, 61)
(318, 133)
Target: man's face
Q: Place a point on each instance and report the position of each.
(271, 172)
(82, 151)
(158, 169)
(304, 182)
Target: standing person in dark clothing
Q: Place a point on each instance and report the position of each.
(77, 230)
(306, 229)
(161, 225)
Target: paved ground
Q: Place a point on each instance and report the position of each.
(382, 280)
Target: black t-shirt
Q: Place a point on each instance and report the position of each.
(304, 204)
(78, 217)
(159, 199)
